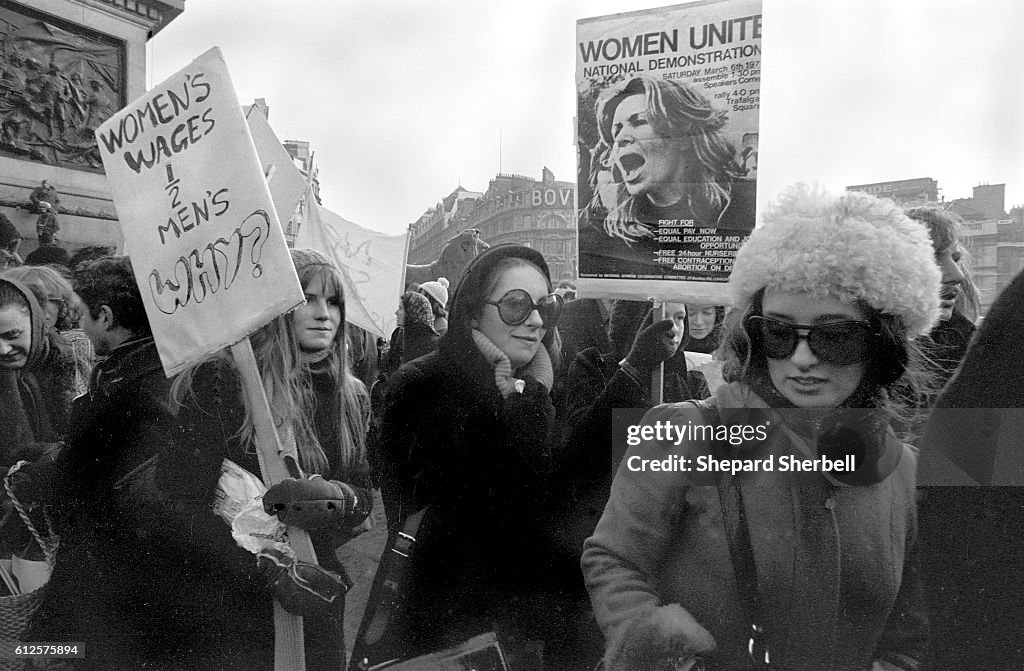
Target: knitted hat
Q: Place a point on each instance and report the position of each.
(438, 290)
(309, 257)
(853, 247)
(417, 309)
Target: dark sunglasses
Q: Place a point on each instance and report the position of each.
(840, 343)
(516, 306)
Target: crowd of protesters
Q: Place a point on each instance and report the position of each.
(487, 421)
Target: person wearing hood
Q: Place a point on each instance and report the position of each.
(467, 434)
(418, 335)
(436, 292)
(809, 570)
(26, 427)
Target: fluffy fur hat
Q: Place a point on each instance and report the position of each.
(438, 289)
(664, 633)
(854, 247)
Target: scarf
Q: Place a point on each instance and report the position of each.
(539, 367)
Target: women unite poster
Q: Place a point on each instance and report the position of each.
(667, 138)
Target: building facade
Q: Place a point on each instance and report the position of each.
(993, 237)
(68, 65)
(514, 209)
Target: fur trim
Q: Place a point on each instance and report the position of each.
(667, 632)
(854, 247)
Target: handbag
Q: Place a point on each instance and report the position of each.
(481, 652)
(17, 608)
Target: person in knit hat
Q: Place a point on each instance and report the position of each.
(437, 292)
(418, 335)
(467, 431)
(828, 295)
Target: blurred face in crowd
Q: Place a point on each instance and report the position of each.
(650, 164)
(803, 377)
(316, 322)
(15, 336)
(51, 312)
(702, 320)
(948, 261)
(400, 314)
(521, 341)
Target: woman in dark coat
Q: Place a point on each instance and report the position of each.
(465, 433)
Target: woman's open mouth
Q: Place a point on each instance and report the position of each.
(630, 164)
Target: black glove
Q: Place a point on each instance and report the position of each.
(652, 345)
(315, 504)
(302, 588)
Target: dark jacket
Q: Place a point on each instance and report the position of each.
(418, 340)
(480, 461)
(147, 574)
(120, 567)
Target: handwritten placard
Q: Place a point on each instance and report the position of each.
(196, 214)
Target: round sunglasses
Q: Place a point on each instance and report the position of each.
(840, 343)
(516, 306)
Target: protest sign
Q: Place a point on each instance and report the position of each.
(193, 204)
(285, 180)
(371, 263)
(667, 135)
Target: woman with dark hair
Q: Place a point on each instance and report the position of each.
(662, 157)
(703, 325)
(466, 435)
(811, 570)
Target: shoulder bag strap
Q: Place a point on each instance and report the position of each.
(386, 591)
(741, 552)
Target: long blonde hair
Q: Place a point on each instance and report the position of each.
(287, 378)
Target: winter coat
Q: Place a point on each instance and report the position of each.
(834, 563)
(148, 574)
(24, 411)
(450, 441)
(417, 340)
(120, 582)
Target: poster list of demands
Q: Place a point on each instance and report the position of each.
(693, 253)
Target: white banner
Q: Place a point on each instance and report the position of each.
(196, 214)
(285, 180)
(372, 263)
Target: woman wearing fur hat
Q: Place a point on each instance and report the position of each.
(437, 293)
(315, 398)
(465, 434)
(828, 295)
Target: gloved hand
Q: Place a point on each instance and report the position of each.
(315, 504)
(302, 588)
(652, 345)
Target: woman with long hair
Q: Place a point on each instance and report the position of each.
(320, 406)
(959, 306)
(733, 556)
(466, 434)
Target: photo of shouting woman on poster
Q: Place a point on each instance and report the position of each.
(661, 169)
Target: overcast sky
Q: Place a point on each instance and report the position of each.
(403, 100)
